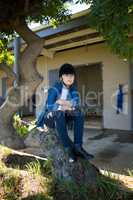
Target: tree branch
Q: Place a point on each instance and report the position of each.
(24, 31)
(8, 70)
(30, 37)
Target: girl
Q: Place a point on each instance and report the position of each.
(63, 104)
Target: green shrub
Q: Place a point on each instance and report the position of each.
(21, 128)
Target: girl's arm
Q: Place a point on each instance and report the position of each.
(75, 101)
(51, 104)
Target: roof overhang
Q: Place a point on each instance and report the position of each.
(72, 34)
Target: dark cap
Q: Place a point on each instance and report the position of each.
(66, 69)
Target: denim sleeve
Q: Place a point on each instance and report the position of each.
(51, 99)
(75, 100)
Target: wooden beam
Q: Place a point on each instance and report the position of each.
(70, 36)
(71, 40)
(78, 43)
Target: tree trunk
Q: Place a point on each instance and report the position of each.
(28, 82)
(47, 143)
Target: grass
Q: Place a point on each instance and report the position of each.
(40, 168)
(36, 183)
(34, 168)
(107, 189)
(40, 196)
(9, 184)
(130, 173)
(63, 190)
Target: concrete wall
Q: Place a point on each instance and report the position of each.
(115, 71)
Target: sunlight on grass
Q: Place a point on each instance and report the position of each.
(34, 168)
(126, 181)
(4, 150)
(130, 173)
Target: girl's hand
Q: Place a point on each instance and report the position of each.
(64, 102)
(60, 101)
(66, 108)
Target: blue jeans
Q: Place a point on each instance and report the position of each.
(61, 118)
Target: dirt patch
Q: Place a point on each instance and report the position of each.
(15, 160)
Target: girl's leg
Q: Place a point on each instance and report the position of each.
(78, 117)
(60, 123)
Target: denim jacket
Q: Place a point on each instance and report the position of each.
(54, 93)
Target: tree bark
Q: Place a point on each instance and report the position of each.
(29, 80)
(49, 146)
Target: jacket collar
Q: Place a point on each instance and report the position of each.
(59, 85)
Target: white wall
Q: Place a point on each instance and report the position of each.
(115, 71)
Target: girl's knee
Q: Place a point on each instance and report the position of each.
(59, 114)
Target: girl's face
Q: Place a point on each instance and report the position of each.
(68, 79)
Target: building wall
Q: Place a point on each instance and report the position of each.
(115, 71)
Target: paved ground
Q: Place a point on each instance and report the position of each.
(113, 150)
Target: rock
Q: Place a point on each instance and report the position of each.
(35, 138)
(33, 150)
(14, 142)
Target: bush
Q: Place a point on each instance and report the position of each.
(21, 129)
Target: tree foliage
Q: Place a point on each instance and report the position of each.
(114, 20)
(26, 11)
(30, 10)
(5, 55)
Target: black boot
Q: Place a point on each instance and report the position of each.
(72, 156)
(79, 151)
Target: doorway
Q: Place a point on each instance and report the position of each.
(90, 87)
